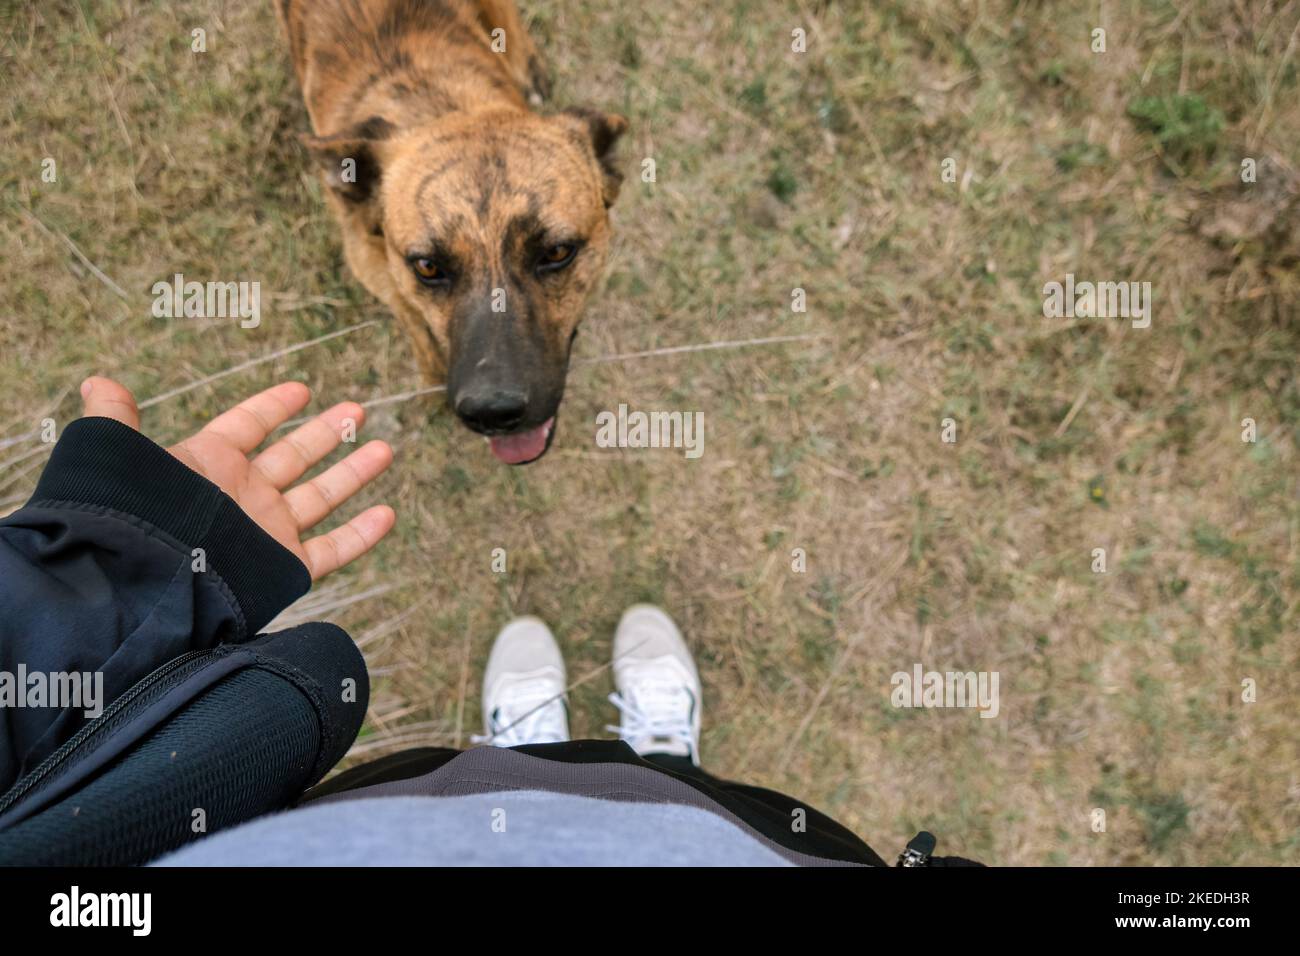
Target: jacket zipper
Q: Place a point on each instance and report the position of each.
(104, 723)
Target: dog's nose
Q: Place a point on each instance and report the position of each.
(492, 409)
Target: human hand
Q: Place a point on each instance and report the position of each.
(219, 452)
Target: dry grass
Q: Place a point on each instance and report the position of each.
(776, 170)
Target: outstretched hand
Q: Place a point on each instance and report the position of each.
(219, 452)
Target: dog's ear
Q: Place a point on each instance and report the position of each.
(351, 161)
(601, 132)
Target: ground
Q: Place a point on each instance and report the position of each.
(1168, 158)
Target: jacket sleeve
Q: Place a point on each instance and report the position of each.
(122, 560)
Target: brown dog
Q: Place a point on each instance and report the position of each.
(482, 225)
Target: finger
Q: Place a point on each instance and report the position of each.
(289, 458)
(247, 424)
(311, 501)
(327, 553)
(104, 398)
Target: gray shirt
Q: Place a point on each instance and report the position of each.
(508, 828)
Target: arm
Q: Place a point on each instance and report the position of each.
(129, 555)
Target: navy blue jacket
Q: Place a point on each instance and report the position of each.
(128, 566)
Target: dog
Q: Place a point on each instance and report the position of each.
(481, 224)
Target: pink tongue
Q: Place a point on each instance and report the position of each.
(522, 447)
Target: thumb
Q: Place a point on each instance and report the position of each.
(105, 398)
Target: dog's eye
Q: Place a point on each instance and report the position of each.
(429, 272)
(556, 257)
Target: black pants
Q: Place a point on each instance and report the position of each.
(768, 812)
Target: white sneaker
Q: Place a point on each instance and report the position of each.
(658, 685)
(523, 687)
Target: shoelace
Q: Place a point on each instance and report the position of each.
(534, 716)
(657, 709)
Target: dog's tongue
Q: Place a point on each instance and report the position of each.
(523, 446)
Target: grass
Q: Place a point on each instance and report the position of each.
(775, 170)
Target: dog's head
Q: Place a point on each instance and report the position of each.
(493, 229)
